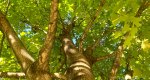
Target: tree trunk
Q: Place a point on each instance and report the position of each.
(79, 67)
(35, 73)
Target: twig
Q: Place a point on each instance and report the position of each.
(1, 44)
(89, 25)
(8, 4)
(61, 20)
(106, 32)
(104, 57)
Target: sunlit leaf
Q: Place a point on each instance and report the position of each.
(145, 45)
(22, 33)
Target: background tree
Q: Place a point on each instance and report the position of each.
(82, 39)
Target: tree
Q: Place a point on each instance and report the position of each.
(81, 40)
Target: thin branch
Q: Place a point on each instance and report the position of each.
(43, 59)
(93, 46)
(116, 63)
(62, 62)
(89, 25)
(106, 32)
(7, 7)
(145, 4)
(61, 65)
(34, 27)
(21, 53)
(96, 43)
(104, 57)
(61, 20)
(1, 44)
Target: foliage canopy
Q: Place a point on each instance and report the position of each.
(97, 26)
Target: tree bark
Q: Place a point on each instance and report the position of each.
(116, 63)
(39, 69)
(43, 60)
(27, 63)
(12, 74)
(21, 53)
(79, 68)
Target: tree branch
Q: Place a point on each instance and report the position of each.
(105, 33)
(22, 75)
(119, 52)
(89, 25)
(89, 50)
(19, 49)
(43, 59)
(116, 63)
(12, 74)
(7, 7)
(74, 57)
(104, 57)
(145, 4)
(1, 44)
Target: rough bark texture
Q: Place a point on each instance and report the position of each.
(39, 70)
(12, 74)
(79, 68)
(79, 64)
(43, 60)
(21, 53)
(35, 73)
